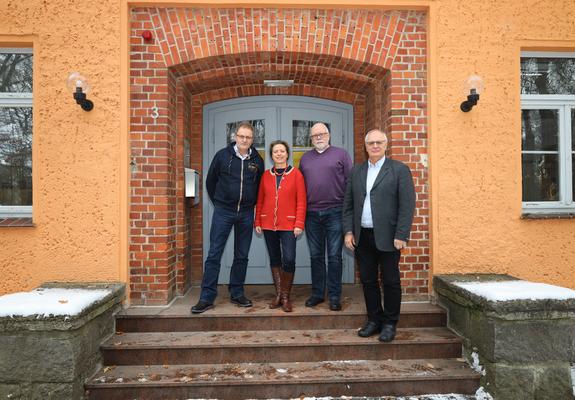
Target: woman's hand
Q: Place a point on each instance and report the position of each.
(297, 231)
(259, 230)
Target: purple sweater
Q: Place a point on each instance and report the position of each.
(325, 177)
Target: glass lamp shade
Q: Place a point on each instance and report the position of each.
(77, 80)
(473, 85)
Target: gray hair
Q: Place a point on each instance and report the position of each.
(320, 125)
(375, 130)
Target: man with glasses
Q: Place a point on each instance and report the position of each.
(377, 215)
(232, 183)
(325, 169)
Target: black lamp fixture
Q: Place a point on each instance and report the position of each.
(473, 87)
(79, 86)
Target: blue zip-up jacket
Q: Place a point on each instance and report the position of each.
(232, 183)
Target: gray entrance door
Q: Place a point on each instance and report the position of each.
(274, 117)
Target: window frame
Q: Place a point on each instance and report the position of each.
(11, 99)
(564, 104)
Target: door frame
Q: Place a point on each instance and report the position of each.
(277, 101)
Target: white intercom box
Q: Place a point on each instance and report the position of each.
(192, 184)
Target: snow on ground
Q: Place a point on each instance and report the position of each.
(49, 301)
(451, 396)
(516, 290)
(481, 394)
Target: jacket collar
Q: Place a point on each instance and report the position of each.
(382, 173)
(289, 171)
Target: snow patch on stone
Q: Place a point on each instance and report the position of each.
(481, 394)
(44, 302)
(475, 364)
(517, 290)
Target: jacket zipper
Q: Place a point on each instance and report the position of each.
(241, 186)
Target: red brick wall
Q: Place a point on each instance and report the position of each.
(372, 59)
(406, 120)
(183, 206)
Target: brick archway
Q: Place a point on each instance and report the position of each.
(374, 60)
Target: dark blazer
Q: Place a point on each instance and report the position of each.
(392, 203)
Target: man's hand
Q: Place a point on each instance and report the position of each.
(349, 241)
(399, 244)
(259, 230)
(297, 231)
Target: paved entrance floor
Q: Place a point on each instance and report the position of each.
(352, 302)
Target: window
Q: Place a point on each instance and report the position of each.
(548, 131)
(15, 132)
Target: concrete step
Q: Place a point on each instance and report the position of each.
(284, 380)
(281, 346)
(237, 319)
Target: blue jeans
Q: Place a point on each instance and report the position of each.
(281, 248)
(324, 231)
(222, 223)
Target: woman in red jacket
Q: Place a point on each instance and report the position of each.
(280, 214)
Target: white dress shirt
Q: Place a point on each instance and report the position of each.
(372, 172)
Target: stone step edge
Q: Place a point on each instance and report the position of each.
(272, 314)
(468, 374)
(92, 385)
(367, 341)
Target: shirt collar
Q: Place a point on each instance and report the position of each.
(323, 151)
(240, 155)
(378, 164)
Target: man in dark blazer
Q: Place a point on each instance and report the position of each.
(377, 214)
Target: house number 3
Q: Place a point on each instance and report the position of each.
(155, 114)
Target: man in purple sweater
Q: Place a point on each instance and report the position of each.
(325, 169)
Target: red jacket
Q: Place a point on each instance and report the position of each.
(282, 209)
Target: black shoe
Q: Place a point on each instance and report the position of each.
(387, 333)
(313, 301)
(334, 305)
(201, 307)
(369, 329)
(242, 301)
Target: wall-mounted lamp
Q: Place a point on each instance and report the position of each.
(473, 87)
(78, 85)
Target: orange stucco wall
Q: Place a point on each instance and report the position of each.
(476, 156)
(80, 159)
(76, 155)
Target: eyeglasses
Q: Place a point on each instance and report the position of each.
(318, 135)
(242, 137)
(376, 143)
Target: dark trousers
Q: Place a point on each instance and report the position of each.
(222, 223)
(371, 262)
(281, 249)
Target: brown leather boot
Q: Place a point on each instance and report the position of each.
(286, 284)
(276, 275)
